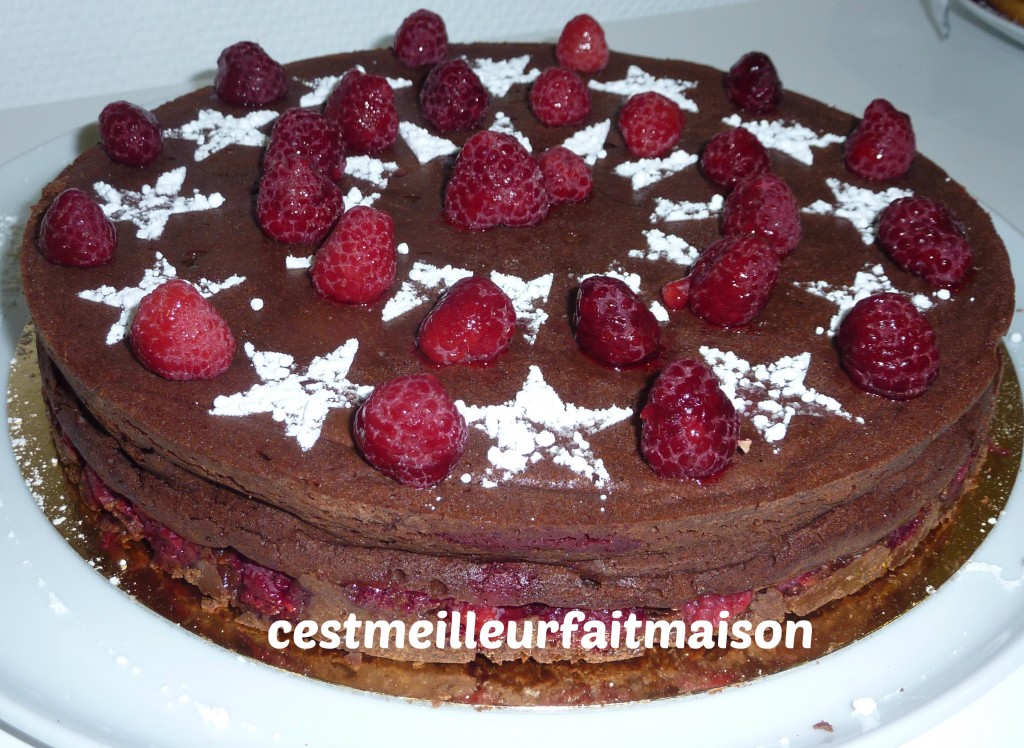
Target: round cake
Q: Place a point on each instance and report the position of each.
(251, 483)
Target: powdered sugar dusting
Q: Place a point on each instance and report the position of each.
(685, 210)
(424, 144)
(498, 76)
(150, 207)
(356, 197)
(322, 87)
(537, 424)
(301, 400)
(669, 247)
(647, 171)
(527, 298)
(423, 282)
(588, 142)
(214, 131)
(370, 169)
(503, 124)
(638, 80)
(770, 395)
(127, 299)
(791, 138)
(858, 205)
(869, 281)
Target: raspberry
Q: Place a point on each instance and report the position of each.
(689, 428)
(356, 263)
(888, 347)
(732, 156)
(472, 323)
(753, 83)
(75, 232)
(307, 133)
(422, 39)
(582, 46)
(764, 205)
(566, 176)
(612, 324)
(452, 97)
(495, 182)
(924, 238)
(269, 592)
(731, 281)
(130, 133)
(364, 107)
(650, 124)
(296, 204)
(710, 607)
(410, 430)
(248, 76)
(882, 145)
(179, 335)
(560, 97)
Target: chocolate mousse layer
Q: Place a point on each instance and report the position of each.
(576, 518)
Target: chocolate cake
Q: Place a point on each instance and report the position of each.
(250, 483)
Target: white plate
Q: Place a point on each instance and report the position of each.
(82, 664)
(994, 20)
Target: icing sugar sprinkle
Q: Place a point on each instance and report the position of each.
(423, 281)
(638, 80)
(322, 87)
(527, 298)
(647, 171)
(869, 281)
(424, 144)
(685, 210)
(150, 207)
(793, 139)
(503, 124)
(214, 131)
(662, 246)
(537, 424)
(858, 205)
(356, 197)
(127, 299)
(588, 142)
(771, 394)
(299, 399)
(498, 76)
(370, 169)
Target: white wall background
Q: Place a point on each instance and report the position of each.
(54, 50)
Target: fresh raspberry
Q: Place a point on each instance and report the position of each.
(495, 182)
(356, 263)
(612, 324)
(924, 238)
(888, 347)
(422, 39)
(764, 205)
(75, 232)
(269, 592)
(731, 281)
(305, 132)
(650, 124)
(472, 323)
(882, 145)
(179, 335)
(296, 204)
(560, 97)
(732, 156)
(131, 134)
(452, 97)
(689, 428)
(364, 106)
(753, 83)
(675, 295)
(410, 430)
(566, 176)
(248, 76)
(582, 46)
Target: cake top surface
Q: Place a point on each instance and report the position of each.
(552, 434)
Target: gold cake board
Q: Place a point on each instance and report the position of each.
(658, 674)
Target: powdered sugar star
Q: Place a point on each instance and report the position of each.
(858, 205)
(638, 80)
(301, 400)
(127, 299)
(791, 138)
(150, 207)
(537, 424)
(498, 76)
(214, 131)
